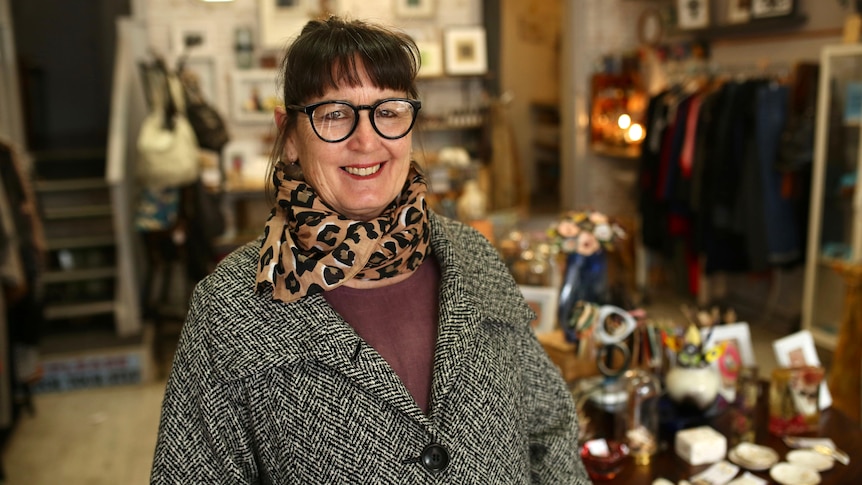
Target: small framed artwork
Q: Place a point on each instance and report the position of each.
(650, 27)
(431, 58)
(195, 38)
(465, 50)
(543, 301)
(797, 350)
(282, 20)
(254, 95)
(738, 353)
(414, 9)
(692, 14)
(771, 8)
(738, 11)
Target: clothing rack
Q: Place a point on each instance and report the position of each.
(688, 197)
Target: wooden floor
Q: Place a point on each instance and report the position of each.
(102, 436)
(106, 436)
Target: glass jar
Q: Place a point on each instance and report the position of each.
(642, 417)
(743, 416)
(602, 412)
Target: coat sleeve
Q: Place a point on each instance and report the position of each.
(203, 433)
(552, 421)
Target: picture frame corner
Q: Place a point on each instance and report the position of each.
(545, 299)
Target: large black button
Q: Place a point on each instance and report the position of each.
(435, 458)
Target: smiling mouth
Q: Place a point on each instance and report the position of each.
(363, 171)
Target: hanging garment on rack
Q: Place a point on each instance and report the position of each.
(24, 302)
(24, 296)
(708, 178)
(652, 209)
(782, 231)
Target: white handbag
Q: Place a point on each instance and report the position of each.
(167, 146)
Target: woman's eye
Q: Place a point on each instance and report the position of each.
(386, 113)
(336, 114)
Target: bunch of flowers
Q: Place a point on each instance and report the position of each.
(585, 232)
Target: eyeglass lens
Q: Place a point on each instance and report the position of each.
(336, 120)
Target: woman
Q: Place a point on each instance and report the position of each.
(363, 338)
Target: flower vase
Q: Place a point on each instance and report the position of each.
(585, 278)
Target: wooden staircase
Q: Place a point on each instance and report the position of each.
(80, 271)
(93, 334)
(80, 274)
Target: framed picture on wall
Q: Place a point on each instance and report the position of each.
(465, 50)
(282, 20)
(431, 56)
(414, 9)
(771, 8)
(193, 38)
(254, 95)
(738, 11)
(543, 301)
(692, 14)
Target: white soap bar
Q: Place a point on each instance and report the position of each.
(700, 445)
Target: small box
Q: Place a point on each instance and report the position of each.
(700, 445)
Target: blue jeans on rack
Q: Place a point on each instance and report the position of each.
(782, 227)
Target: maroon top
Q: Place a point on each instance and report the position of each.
(400, 322)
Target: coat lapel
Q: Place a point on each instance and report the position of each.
(272, 333)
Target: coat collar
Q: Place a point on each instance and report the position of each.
(263, 333)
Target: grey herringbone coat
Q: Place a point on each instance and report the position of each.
(267, 392)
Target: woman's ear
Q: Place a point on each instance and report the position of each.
(280, 117)
(290, 154)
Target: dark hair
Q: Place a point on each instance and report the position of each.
(327, 54)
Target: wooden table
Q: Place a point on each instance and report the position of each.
(834, 424)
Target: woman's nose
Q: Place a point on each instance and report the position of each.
(365, 135)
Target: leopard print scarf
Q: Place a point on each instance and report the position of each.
(309, 248)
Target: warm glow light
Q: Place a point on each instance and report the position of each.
(624, 121)
(635, 133)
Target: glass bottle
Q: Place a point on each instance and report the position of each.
(642, 418)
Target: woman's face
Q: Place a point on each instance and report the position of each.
(359, 176)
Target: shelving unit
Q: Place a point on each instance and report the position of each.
(454, 113)
(835, 224)
(752, 28)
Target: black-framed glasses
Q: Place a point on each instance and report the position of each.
(335, 121)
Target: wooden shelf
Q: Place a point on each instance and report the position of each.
(753, 28)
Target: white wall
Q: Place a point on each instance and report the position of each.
(163, 18)
(594, 28)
